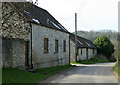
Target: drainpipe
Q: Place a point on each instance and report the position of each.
(31, 67)
(69, 48)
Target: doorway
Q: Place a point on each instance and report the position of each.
(87, 53)
(26, 53)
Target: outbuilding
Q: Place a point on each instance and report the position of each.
(85, 48)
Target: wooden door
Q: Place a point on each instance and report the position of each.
(87, 53)
(26, 53)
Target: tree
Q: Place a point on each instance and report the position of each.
(104, 46)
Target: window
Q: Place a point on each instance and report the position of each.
(56, 46)
(64, 46)
(81, 51)
(45, 45)
(93, 51)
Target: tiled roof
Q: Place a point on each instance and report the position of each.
(82, 42)
(38, 15)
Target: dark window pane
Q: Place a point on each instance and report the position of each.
(81, 51)
(64, 46)
(45, 45)
(56, 46)
(93, 51)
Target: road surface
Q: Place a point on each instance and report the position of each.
(94, 73)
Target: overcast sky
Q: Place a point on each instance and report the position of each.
(91, 14)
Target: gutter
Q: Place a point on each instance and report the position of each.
(31, 64)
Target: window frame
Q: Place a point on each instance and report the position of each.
(56, 46)
(64, 45)
(81, 51)
(93, 51)
(46, 41)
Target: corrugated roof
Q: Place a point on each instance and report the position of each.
(82, 42)
(38, 15)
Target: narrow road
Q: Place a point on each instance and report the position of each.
(94, 73)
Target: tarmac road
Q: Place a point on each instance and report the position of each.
(94, 73)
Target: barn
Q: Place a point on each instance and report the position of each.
(32, 37)
(85, 48)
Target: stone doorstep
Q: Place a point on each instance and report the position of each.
(116, 75)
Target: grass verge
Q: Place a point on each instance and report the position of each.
(117, 68)
(14, 75)
(91, 61)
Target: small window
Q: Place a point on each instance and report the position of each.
(45, 45)
(81, 51)
(64, 46)
(56, 46)
(93, 51)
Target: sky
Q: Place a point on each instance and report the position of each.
(91, 14)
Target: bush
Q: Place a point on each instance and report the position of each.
(112, 59)
(104, 46)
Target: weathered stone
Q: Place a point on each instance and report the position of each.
(18, 28)
(81, 55)
(15, 27)
(41, 59)
(13, 53)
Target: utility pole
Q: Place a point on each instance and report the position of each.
(76, 37)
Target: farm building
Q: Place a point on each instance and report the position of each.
(85, 48)
(32, 37)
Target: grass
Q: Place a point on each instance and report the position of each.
(117, 68)
(91, 61)
(14, 75)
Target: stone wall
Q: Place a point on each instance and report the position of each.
(41, 59)
(83, 56)
(95, 52)
(14, 31)
(18, 53)
(13, 23)
(13, 53)
(6, 52)
(72, 51)
(90, 53)
(0, 52)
